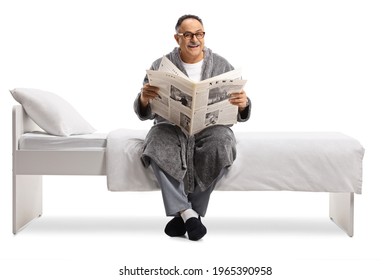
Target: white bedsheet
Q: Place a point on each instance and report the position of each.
(266, 161)
(125, 171)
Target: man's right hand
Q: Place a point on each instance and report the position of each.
(148, 93)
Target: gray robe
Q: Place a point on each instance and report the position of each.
(197, 159)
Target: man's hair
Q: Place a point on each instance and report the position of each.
(183, 18)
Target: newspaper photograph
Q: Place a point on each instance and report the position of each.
(194, 105)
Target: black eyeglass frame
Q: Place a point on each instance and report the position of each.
(189, 35)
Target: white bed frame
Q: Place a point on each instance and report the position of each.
(29, 167)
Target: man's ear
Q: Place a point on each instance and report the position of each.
(176, 38)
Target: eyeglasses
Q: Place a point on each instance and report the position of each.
(189, 35)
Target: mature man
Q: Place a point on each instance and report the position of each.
(188, 167)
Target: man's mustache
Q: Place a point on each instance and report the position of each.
(194, 45)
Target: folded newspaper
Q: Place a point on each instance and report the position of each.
(194, 105)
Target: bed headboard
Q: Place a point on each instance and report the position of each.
(21, 123)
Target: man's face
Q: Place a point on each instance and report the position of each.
(192, 47)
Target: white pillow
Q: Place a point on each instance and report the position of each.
(51, 112)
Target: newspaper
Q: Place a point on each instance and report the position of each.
(192, 105)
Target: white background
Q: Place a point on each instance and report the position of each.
(310, 66)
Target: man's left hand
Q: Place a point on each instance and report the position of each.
(239, 99)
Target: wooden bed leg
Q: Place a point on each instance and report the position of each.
(341, 206)
(27, 200)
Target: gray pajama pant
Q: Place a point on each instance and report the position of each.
(175, 198)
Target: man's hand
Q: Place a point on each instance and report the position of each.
(148, 93)
(239, 99)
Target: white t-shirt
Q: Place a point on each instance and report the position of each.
(194, 70)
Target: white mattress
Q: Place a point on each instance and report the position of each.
(266, 161)
(44, 141)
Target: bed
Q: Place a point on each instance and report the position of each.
(327, 162)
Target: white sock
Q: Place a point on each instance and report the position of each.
(189, 213)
